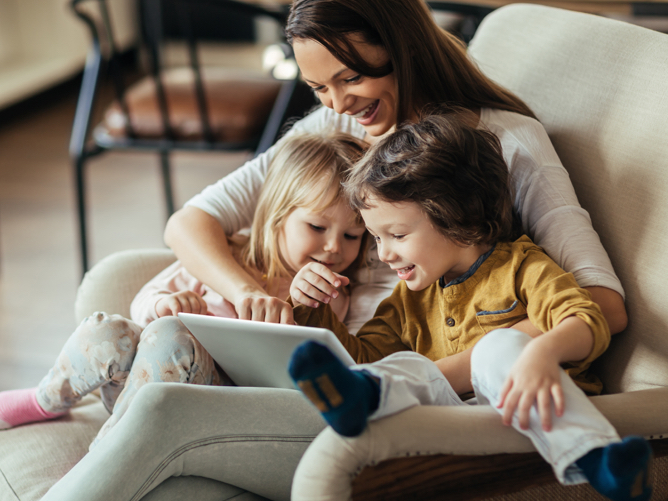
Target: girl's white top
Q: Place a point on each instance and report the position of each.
(544, 198)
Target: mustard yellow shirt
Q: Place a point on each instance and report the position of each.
(517, 280)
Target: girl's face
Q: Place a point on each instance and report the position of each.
(331, 237)
(372, 101)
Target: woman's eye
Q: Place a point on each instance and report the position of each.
(318, 89)
(354, 79)
(377, 239)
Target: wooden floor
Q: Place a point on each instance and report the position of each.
(39, 263)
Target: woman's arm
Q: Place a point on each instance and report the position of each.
(200, 243)
(610, 302)
(612, 306)
(551, 213)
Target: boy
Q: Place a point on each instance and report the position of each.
(435, 197)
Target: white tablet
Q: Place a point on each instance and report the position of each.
(257, 353)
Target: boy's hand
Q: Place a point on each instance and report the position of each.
(315, 284)
(535, 379)
(184, 301)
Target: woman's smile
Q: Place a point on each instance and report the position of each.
(370, 101)
(364, 111)
(368, 115)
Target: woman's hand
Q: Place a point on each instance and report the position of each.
(534, 379)
(315, 284)
(200, 243)
(262, 307)
(184, 301)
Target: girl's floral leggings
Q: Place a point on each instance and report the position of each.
(114, 354)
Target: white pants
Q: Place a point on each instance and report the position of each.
(408, 379)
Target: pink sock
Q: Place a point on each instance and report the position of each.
(21, 407)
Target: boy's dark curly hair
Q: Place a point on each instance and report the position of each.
(451, 168)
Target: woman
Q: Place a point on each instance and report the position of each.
(373, 64)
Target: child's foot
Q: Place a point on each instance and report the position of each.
(20, 407)
(620, 471)
(345, 398)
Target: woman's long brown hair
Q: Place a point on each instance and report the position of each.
(430, 65)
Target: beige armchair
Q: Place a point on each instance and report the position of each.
(599, 87)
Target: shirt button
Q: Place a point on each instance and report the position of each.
(450, 321)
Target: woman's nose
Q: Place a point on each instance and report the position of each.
(340, 101)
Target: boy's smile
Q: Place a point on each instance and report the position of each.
(408, 242)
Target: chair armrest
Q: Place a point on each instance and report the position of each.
(112, 284)
(331, 463)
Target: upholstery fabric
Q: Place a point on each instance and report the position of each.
(598, 87)
(35, 456)
(102, 290)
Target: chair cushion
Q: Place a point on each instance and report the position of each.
(238, 105)
(35, 456)
(112, 284)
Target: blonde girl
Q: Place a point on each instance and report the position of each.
(301, 221)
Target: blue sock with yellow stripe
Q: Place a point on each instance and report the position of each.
(620, 471)
(345, 397)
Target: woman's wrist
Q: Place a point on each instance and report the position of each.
(248, 289)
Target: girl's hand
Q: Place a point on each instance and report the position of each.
(535, 379)
(315, 284)
(184, 301)
(262, 307)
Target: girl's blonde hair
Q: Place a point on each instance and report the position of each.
(307, 171)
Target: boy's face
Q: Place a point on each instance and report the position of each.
(413, 247)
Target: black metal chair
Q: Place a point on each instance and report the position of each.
(188, 108)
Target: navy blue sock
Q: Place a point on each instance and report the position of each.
(345, 398)
(620, 471)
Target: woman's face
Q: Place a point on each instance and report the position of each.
(371, 101)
